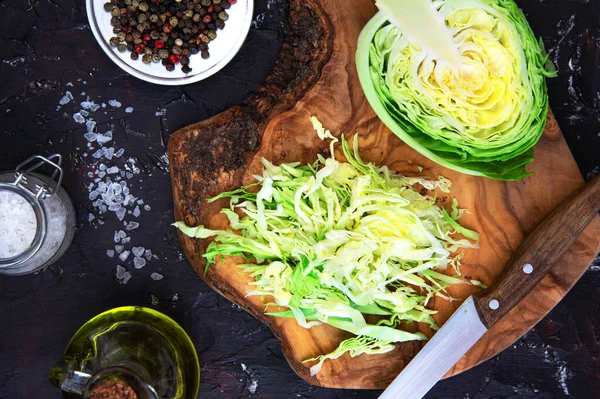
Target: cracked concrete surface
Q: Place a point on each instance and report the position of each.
(44, 44)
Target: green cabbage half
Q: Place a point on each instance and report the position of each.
(482, 118)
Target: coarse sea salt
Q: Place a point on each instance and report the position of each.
(129, 110)
(156, 276)
(18, 224)
(114, 103)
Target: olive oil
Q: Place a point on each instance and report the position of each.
(142, 349)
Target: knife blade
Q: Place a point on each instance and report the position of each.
(534, 258)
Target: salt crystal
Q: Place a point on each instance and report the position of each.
(98, 154)
(139, 262)
(93, 195)
(90, 174)
(106, 137)
(91, 217)
(120, 272)
(147, 207)
(129, 175)
(129, 110)
(121, 234)
(78, 118)
(112, 170)
(136, 211)
(124, 255)
(121, 213)
(138, 251)
(110, 253)
(120, 152)
(119, 248)
(90, 124)
(86, 104)
(126, 277)
(148, 254)
(83, 93)
(101, 174)
(114, 207)
(156, 276)
(90, 136)
(126, 240)
(84, 112)
(103, 105)
(69, 84)
(132, 226)
(102, 166)
(66, 98)
(100, 221)
(114, 103)
(103, 208)
(109, 152)
(94, 107)
(140, 202)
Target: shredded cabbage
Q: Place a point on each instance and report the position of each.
(334, 241)
(482, 117)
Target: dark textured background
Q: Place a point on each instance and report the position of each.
(46, 43)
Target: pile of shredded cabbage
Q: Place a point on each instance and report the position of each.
(334, 241)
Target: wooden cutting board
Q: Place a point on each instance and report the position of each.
(315, 75)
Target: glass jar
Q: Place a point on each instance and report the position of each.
(37, 218)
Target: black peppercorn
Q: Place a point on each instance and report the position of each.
(122, 47)
(220, 24)
(211, 26)
(114, 41)
(204, 54)
(155, 58)
(146, 58)
(194, 50)
(184, 60)
(170, 67)
(164, 61)
(108, 7)
(130, 47)
(186, 69)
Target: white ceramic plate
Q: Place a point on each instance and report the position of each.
(222, 49)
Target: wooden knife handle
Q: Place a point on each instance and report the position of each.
(538, 253)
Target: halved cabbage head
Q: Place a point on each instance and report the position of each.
(481, 118)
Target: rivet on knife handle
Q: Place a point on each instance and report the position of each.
(539, 252)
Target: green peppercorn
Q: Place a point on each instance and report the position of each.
(154, 18)
(108, 7)
(134, 56)
(117, 29)
(188, 14)
(127, 2)
(170, 67)
(135, 3)
(178, 42)
(115, 12)
(204, 54)
(141, 18)
(205, 3)
(173, 21)
(154, 35)
(204, 38)
(163, 53)
(176, 50)
(164, 37)
(143, 7)
(114, 21)
(146, 58)
(155, 58)
(187, 31)
(186, 69)
(223, 16)
(121, 36)
(216, 2)
(148, 51)
(212, 35)
(122, 47)
(137, 41)
(140, 28)
(114, 41)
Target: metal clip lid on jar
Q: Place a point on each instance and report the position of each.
(37, 218)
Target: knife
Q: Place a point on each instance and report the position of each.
(528, 265)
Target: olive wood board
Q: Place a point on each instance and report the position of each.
(315, 75)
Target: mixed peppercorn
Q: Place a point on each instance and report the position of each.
(166, 31)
